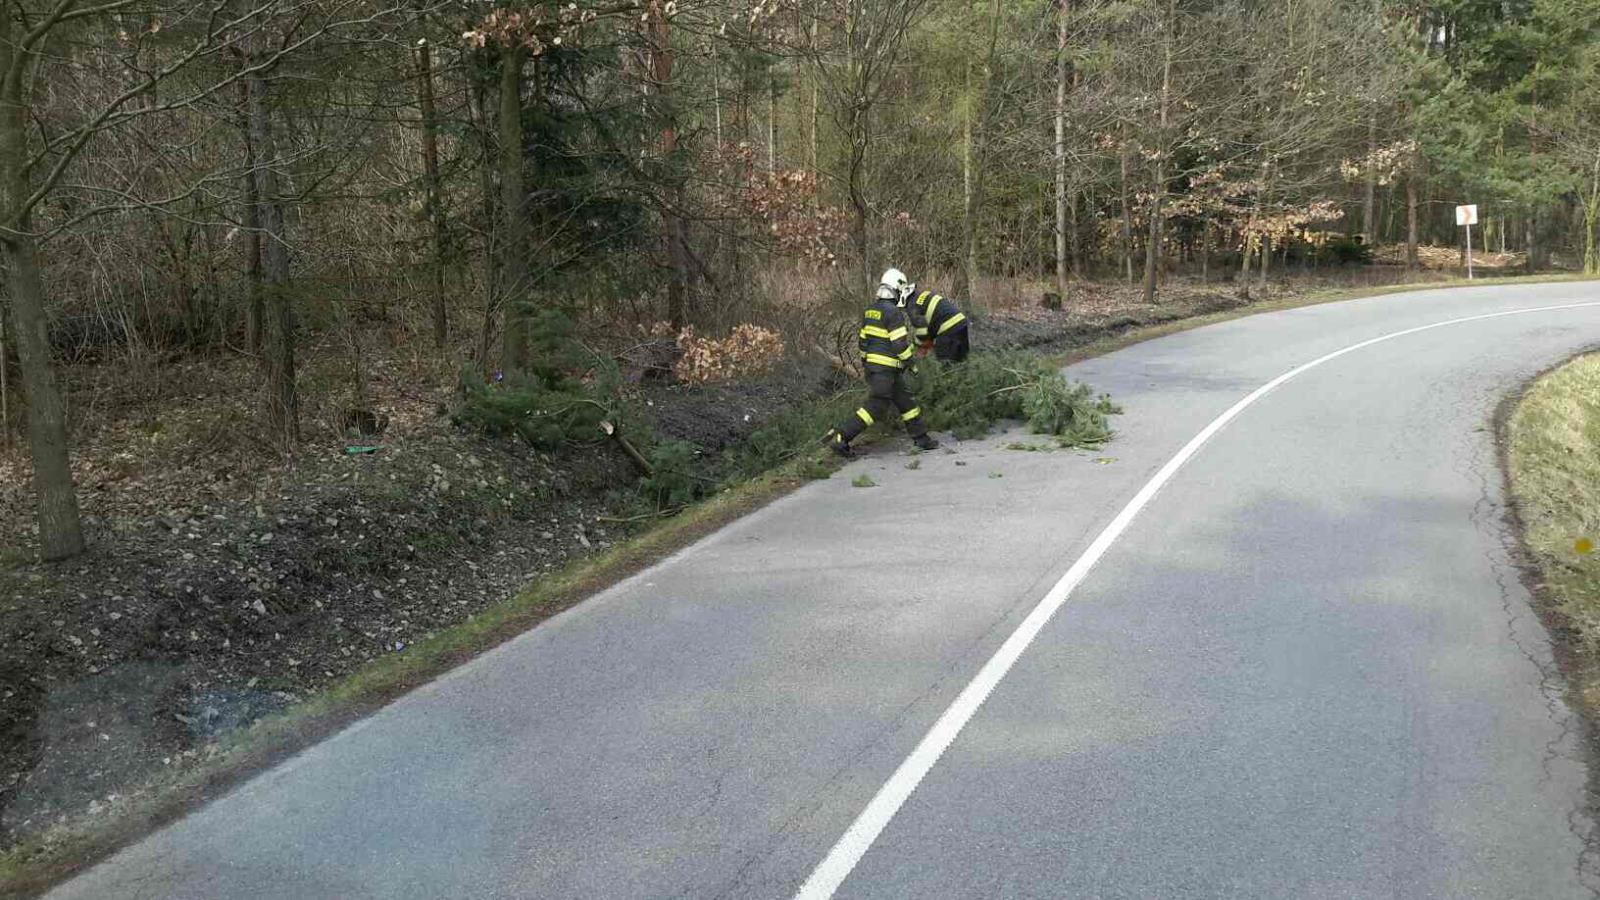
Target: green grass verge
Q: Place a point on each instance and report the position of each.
(1552, 447)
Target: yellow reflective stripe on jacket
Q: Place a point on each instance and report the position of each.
(877, 331)
(864, 416)
(906, 353)
(922, 331)
(952, 322)
(932, 305)
(910, 414)
(897, 334)
(878, 359)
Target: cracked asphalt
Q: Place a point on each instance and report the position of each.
(1309, 668)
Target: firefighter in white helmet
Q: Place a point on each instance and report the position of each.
(886, 351)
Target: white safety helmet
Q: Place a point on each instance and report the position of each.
(894, 285)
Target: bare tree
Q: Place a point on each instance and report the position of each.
(853, 60)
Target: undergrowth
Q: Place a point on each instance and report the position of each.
(549, 408)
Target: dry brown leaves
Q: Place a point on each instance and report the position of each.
(748, 350)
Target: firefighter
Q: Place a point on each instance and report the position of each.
(939, 325)
(886, 351)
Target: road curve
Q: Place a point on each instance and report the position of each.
(1305, 668)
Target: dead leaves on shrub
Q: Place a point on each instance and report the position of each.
(747, 351)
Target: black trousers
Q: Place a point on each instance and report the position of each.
(887, 394)
(952, 346)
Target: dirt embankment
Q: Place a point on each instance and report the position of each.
(224, 584)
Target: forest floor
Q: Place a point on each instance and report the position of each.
(225, 583)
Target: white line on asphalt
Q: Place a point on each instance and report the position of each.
(844, 856)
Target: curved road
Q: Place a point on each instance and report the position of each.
(1305, 668)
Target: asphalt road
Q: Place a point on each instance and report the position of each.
(1307, 668)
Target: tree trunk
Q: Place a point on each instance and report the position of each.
(491, 218)
(1127, 221)
(434, 204)
(515, 272)
(858, 206)
(1152, 249)
(661, 62)
(1591, 219)
(56, 512)
(968, 261)
(254, 310)
(1063, 74)
(250, 200)
(975, 156)
(1369, 199)
(811, 149)
(1591, 256)
(5, 385)
(1242, 284)
(816, 104)
(1411, 221)
(1074, 236)
(1158, 192)
(772, 123)
(1266, 239)
(860, 138)
(60, 531)
(1530, 234)
(282, 400)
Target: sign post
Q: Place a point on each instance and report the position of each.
(1468, 216)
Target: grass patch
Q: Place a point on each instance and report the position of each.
(1553, 456)
(863, 481)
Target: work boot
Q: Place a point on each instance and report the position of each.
(925, 442)
(836, 442)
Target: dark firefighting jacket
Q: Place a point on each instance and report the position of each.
(933, 315)
(884, 338)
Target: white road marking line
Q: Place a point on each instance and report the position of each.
(855, 842)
